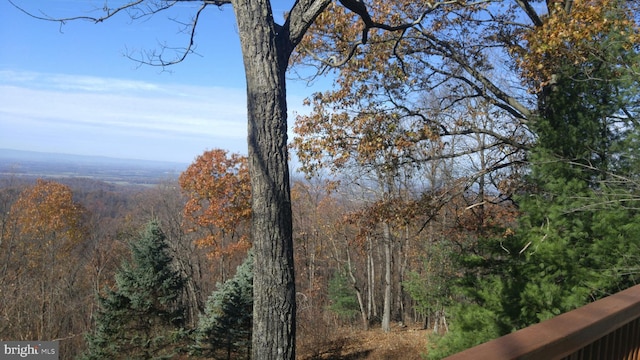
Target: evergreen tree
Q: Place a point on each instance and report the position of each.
(431, 289)
(225, 328)
(141, 317)
(342, 297)
(580, 223)
(576, 231)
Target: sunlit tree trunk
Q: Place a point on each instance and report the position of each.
(371, 281)
(402, 260)
(386, 311)
(274, 285)
(354, 282)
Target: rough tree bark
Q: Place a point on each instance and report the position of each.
(274, 285)
(266, 48)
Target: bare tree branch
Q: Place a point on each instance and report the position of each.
(108, 13)
(358, 7)
(157, 60)
(514, 106)
(530, 11)
(138, 9)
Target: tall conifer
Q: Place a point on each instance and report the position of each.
(140, 318)
(224, 330)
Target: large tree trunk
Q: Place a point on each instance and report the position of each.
(273, 281)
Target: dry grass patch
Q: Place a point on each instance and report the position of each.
(407, 343)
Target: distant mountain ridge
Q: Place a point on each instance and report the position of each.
(11, 154)
(55, 165)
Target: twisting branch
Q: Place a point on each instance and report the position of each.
(360, 9)
(333, 61)
(510, 104)
(138, 9)
(530, 11)
(184, 52)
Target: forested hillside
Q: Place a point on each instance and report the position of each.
(67, 245)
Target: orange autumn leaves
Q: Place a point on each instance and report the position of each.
(573, 33)
(219, 201)
(45, 229)
(46, 216)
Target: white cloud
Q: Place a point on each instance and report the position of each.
(115, 117)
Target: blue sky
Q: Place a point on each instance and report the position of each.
(72, 89)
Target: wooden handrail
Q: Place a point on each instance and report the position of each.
(572, 332)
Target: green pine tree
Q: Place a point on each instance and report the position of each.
(140, 318)
(342, 297)
(580, 224)
(224, 330)
(431, 289)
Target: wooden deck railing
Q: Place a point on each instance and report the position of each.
(608, 329)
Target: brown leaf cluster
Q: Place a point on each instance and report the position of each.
(400, 97)
(574, 35)
(42, 268)
(49, 221)
(219, 200)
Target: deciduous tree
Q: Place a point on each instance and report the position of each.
(218, 208)
(461, 52)
(42, 267)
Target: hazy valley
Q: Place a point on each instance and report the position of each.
(29, 164)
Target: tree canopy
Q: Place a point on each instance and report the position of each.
(218, 208)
